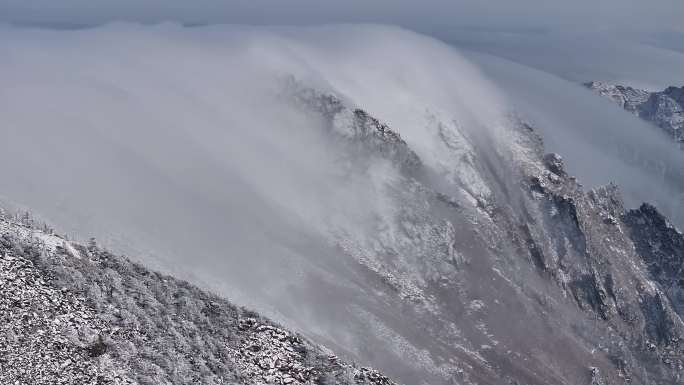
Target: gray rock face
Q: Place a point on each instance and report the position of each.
(624, 267)
(365, 133)
(76, 315)
(664, 108)
(662, 249)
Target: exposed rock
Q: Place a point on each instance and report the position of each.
(664, 108)
(661, 246)
(595, 251)
(365, 132)
(554, 163)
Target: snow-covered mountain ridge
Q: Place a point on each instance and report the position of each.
(662, 108)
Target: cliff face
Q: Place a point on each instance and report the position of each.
(79, 315)
(661, 247)
(664, 108)
(622, 266)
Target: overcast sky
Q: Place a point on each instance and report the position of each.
(636, 42)
(621, 15)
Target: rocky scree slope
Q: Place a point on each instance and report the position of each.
(664, 108)
(79, 315)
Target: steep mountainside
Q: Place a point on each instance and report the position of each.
(400, 215)
(542, 265)
(536, 282)
(663, 108)
(547, 251)
(79, 315)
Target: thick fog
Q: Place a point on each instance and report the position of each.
(178, 143)
(650, 62)
(115, 131)
(183, 148)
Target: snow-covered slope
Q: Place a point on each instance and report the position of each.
(663, 108)
(80, 315)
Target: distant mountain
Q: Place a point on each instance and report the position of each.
(664, 108)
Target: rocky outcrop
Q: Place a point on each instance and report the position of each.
(365, 133)
(664, 108)
(661, 246)
(79, 315)
(622, 266)
(626, 97)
